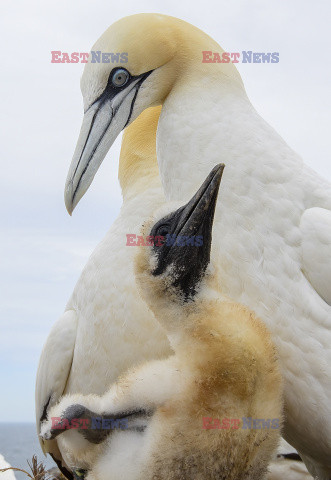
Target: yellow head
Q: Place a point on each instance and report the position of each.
(162, 53)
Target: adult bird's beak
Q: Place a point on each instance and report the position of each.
(102, 123)
(188, 241)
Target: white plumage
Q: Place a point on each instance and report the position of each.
(106, 327)
(262, 255)
(9, 474)
(285, 468)
(273, 246)
(316, 260)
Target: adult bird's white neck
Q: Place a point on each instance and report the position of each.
(207, 120)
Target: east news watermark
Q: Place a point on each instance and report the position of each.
(95, 423)
(97, 56)
(208, 423)
(246, 56)
(57, 56)
(169, 240)
(244, 423)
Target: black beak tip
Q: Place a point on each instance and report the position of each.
(217, 171)
(214, 179)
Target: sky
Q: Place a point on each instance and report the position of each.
(43, 248)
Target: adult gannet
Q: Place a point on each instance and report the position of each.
(106, 327)
(224, 367)
(273, 246)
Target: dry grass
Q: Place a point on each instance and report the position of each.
(37, 470)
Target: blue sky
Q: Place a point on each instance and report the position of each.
(43, 249)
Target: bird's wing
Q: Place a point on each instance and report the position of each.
(53, 372)
(316, 250)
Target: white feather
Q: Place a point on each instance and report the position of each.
(316, 248)
(9, 474)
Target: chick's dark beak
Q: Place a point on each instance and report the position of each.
(187, 234)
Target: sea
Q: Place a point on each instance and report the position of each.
(18, 443)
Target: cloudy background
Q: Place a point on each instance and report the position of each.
(42, 248)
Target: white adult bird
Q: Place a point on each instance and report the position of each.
(106, 327)
(275, 220)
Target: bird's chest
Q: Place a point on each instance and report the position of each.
(254, 249)
(256, 236)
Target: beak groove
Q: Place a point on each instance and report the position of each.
(91, 154)
(110, 113)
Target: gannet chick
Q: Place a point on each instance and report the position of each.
(273, 246)
(224, 371)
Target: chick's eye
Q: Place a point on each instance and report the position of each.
(80, 473)
(120, 77)
(163, 230)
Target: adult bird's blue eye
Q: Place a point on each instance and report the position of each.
(120, 77)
